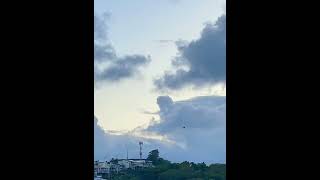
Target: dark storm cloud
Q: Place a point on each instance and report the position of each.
(205, 59)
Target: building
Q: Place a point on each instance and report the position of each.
(101, 167)
(135, 163)
(124, 163)
(98, 178)
(104, 169)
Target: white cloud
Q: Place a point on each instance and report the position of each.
(191, 130)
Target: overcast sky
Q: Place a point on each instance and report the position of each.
(160, 78)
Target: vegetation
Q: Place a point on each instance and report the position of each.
(165, 170)
(114, 161)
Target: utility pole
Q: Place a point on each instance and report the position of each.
(140, 144)
(127, 154)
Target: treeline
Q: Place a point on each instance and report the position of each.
(165, 170)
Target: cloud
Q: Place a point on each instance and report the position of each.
(101, 141)
(197, 125)
(200, 62)
(202, 140)
(100, 26)
(149, 112)
(122, 68)
(109, 145)
(203, 113)
(165, 103)
(164, 41)
(108, 66)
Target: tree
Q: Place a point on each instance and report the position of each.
(114, 161)
(202, 166)
(153, 156)
(165, 170)
(185, 164)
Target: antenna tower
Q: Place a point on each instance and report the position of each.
(140, 144)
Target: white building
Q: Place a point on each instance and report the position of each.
(101, 167)
(124, 163)
(134, 163)
(98, 178)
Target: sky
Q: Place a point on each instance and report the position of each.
(160, 78)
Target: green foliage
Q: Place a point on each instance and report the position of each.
(153, 156)
(114, 161)
(165, 170)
